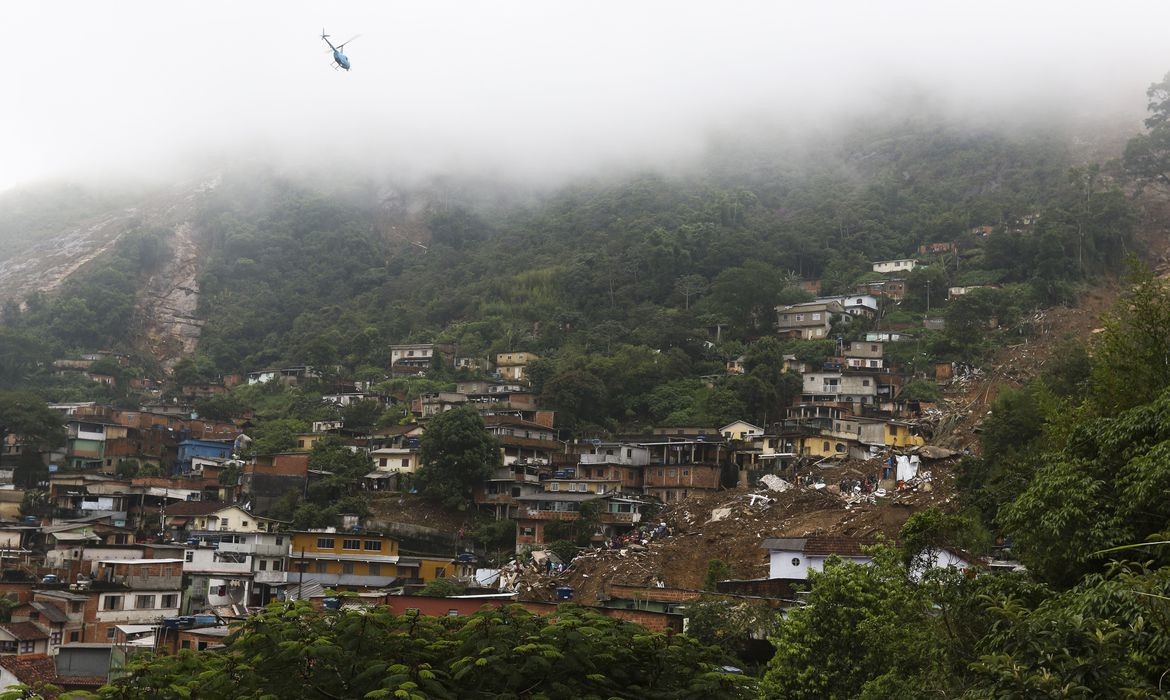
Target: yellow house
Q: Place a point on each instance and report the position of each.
(344, 560)
(305, 441)
(888, 433)
(426, 568)
(899, 435)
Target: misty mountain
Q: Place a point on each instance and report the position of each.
(330, 271)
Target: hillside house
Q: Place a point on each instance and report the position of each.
(133, 591)
(350, 561)
(940, 248)
(740, 430)
(864, 305)
(839, 387)
(616, 515)
(888, 266)
(285, 375)
(808, 321)
(22, 638)
(893, 289)
(794, 557)
(234, 568)
(895, 434)
(414, 359)
(510, 365)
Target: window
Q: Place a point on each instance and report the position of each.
(75, 636)
(301, 444)
(351, 544)
(816, 317)
(112, 602)
(893, 430)
(75, 607)
(556, 486)
(263, 565)
(526, 532)
(440, 572)
(170, 601)
(244, 524)
(279, 541)
(326, 543)
(347, 567)
(186, 644)
(55, 638)
(864, 382)
(686, 472)
(223, 522)
(796, 561)
(671, 472)
(825, 446)
(382, 462)
(144, 602)
(189, 555)
(572, 486)
(322, 567)
(110, 633)
(375, 569)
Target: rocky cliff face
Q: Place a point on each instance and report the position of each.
(166, 327)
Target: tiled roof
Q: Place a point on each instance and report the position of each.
(819, 546)
(194, 507)
(31, 669)
(841, 546)
(51, 612)
(23, 631)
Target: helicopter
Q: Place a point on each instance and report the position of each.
(339, 56)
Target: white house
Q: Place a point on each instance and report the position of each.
(740, 430)
(794, 557)
(903, 265)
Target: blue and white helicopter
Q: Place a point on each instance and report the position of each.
(339, 56)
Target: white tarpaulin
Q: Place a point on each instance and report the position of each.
(907, 467)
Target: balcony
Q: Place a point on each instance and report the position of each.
(552, 514)
(271, 577)
(496, 498)
(343, 579)
(620, 517)
(259, 550)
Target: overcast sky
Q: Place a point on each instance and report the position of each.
(535, 88)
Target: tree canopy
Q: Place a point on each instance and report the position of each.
(292, 650)
(457, 454)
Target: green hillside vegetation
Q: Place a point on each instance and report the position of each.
(616, 284)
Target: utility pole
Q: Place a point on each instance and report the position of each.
(301, 575)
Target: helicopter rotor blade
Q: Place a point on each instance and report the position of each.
(348, 40)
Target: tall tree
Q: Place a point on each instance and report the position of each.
(1147, 156)
(457, 454)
